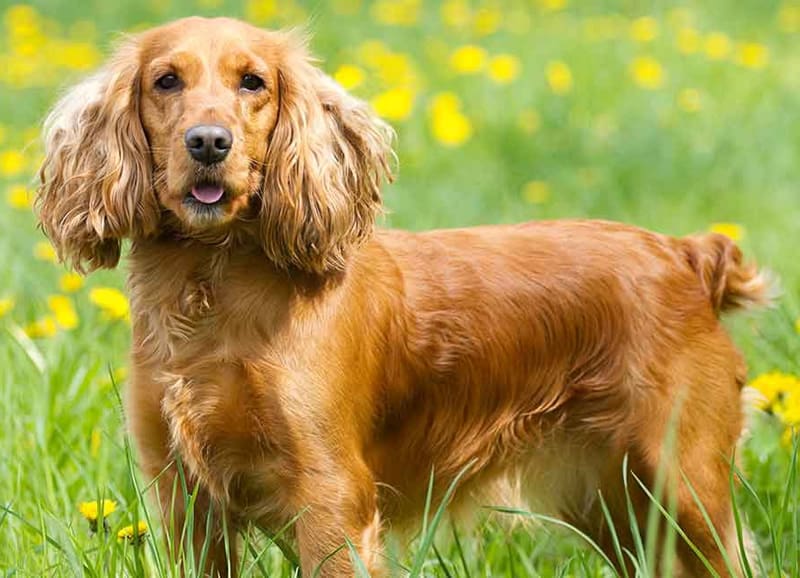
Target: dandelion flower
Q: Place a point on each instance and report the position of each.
(553, 5)
(63, 310)
(92, 510)
(688, 40)
(94, 443)
(504, 68)
(468, 59)
(133, 534)
(647, 73)
(455, 14)
(487, 21)
(789, 18)
(70, 282)
(644, 29)
(394, 104)
(536, 192)
(111, 301)
(6, 305)
(559, 77)
(752, 55)
(717, 46)
(689, 100)
(20, 197)
(349, 76)
(41, 328)
(12, 163)
(449, 125)
(733, 231)
(44, 251)
(396, 12)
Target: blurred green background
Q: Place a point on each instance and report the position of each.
(676, 116)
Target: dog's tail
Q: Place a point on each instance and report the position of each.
(729, 283)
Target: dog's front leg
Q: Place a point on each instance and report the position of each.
(339, 505)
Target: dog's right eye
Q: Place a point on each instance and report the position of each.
(168, 82)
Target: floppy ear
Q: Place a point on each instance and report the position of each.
(95, 180)
(326, 160)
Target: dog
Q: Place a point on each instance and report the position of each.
(292, 362)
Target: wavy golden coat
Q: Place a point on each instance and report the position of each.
(296, 361)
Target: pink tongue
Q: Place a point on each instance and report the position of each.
(208, 194)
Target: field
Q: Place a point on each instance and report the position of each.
(676, 117)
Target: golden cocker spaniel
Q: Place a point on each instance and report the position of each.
(293, 360)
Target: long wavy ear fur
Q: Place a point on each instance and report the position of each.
(327, 158)
(96, 177)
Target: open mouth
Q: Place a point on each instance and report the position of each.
(208, 194)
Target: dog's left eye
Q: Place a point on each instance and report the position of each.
(251, 83)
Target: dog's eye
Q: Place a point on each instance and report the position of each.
(251, 83)
(168, 82)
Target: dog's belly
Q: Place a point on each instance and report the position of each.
(232, 439)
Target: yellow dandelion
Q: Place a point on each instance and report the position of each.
(559, 77)
(789, 18)
(133, 533)
(79, 55)
(94, 443)
(396, 12)
(12, 163)
(773, 385)
(449, 125)
(536, 192)
(44, 251)
(487, 21)
(647, 73)
(41, 328)
(395, 69)
(529, 121)
(504, 68)
(733, 231)
(349, 76)
(92, 510)
(688, 40)
(63, 310)
(20, 197)
(6, 305)
(455, 14)
(752, 55)
(261, 11)
(689, 100)
(394, 104)
(717, 46)
(70, 282)
(469, 59)
(111, 301)
(552, 5)
(644, 29)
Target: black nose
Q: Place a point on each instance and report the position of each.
(208, 143)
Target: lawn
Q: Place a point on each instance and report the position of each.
(676, 117)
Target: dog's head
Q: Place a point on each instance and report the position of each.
(204, 125)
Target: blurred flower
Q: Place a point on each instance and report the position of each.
(644, 29)
(559, 77)
(371, 51)
(70, 282)
(689, 100)
(733, 231)
(717, 46)
(487, 21)
(394, 104)
(396, 12)
(12, 163)
(504, 68)
(536, 192)
(468, 59)
(94, 443)
(44, 327)
(455, 13)
(6, 305)
(261, 11)
(789, 18)
(552, 5)
(133, 534)
(647, 73)
(752, 55)
(20, 197)
(111, 301)
(772, 385)
(44, 251)
(797, 325)
(395, 69)
(529, 121)
(448, 124)
(349, 76)
(688, 40)
(64, 311)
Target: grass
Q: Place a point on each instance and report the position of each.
(726, 151)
